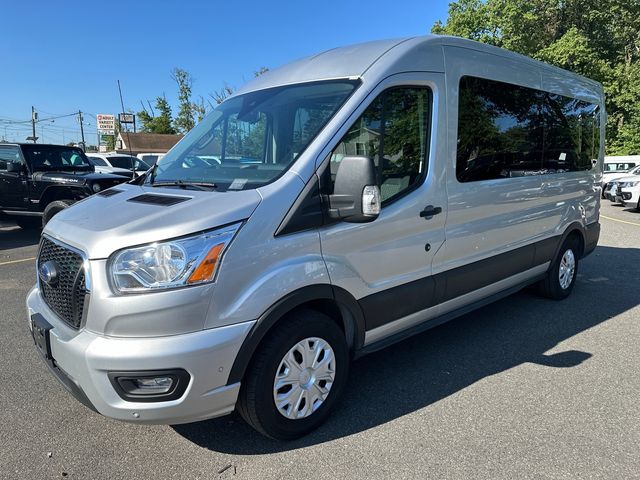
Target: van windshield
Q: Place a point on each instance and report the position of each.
(250, 140)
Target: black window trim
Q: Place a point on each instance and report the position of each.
(545, 92)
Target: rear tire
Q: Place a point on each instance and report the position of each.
(54, 207)
(306, 387)
(29, 223)
(561, 277)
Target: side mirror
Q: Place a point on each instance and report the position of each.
(14, 167)
(356, 195)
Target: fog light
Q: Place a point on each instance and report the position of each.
(150, 386)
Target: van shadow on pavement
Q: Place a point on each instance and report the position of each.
(15, 237)
(431, 366)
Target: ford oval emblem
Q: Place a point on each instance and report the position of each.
(48, 273)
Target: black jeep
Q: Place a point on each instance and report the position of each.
(37, 181)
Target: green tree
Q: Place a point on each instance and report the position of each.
(227, 90)
(221, 95)
(157, 123)
(599, 39)
(186, 118)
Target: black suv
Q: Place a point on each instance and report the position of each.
(37, 181)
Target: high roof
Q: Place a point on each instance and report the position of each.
(342, 62)
(378, 59)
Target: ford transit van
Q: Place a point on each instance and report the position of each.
(329, 208)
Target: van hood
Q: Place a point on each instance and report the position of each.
(129, 215)
(609, 176)
(625, 178)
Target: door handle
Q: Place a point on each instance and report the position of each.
(429, 211)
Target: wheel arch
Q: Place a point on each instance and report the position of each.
(54, 192)
(577, 230)
(334, 302)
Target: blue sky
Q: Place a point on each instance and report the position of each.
(66, 56)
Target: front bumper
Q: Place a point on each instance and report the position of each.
(629, 197)
(81, 360)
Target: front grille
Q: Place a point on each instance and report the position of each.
(66, 294)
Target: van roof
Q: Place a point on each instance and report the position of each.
(378, 59)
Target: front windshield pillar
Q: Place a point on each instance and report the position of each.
(225, 131)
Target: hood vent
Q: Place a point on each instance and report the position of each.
(109, 192)
(163, 200)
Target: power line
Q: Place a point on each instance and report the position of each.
(6, 120)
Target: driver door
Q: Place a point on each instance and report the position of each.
(387, 264)
(13, 185)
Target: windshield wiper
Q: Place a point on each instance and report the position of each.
(206, 186)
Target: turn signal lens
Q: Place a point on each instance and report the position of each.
(371, 201)
(204, 271)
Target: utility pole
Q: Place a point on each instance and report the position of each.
(34, 117)
(81, 126)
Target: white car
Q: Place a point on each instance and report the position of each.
(120, 160)
(613, 170)
(629, 193)
(612, 185)
(101, 166)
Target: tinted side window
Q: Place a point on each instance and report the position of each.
(572, 134)
(500, 131)
(393, 131)
(8, 155)
(505, 130)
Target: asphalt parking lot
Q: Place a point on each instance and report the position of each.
(523, 388)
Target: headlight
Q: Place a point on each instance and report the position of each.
(629, 184)
(96, 187)
(174, 263)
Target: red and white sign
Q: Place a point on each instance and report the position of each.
(106, 124)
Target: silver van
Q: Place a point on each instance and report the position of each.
(331, 207)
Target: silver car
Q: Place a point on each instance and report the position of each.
(357, 196)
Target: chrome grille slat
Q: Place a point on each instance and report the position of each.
(67, 297)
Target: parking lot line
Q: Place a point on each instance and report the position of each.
(17, 261)
(621, 221)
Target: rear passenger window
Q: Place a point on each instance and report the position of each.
(499, 131)
(507, 131)
(571, 135)
(393, 131)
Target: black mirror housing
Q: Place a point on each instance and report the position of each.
(356, 195)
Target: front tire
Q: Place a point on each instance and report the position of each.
(54, 207)
(296, 376)
(561, 277)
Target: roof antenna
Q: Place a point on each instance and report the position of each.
(133, 164)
